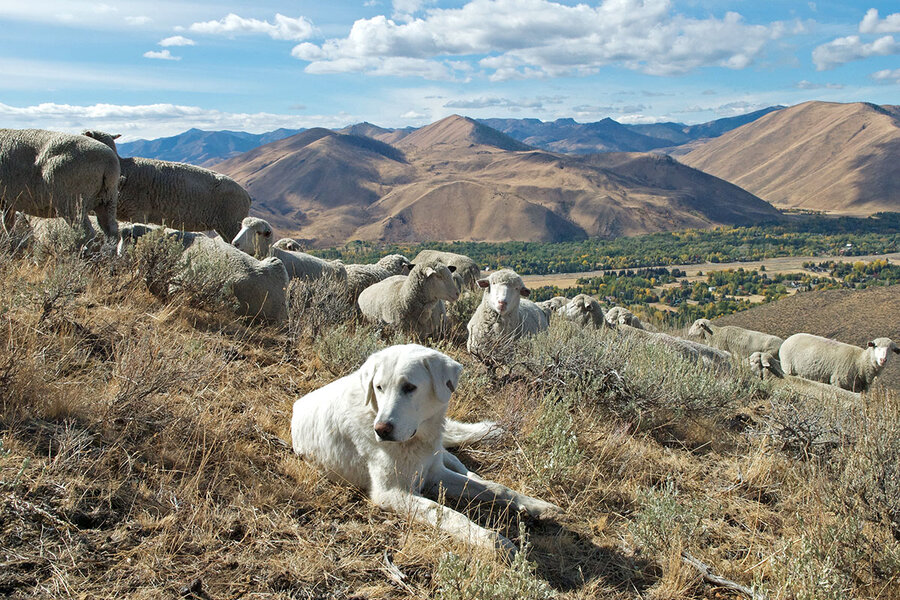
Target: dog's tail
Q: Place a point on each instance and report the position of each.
(461, 434)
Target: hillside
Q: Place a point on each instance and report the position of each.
(816, 155)
(850, 316)
(461, 180)
(202, 148)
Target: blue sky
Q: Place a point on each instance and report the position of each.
(150, 69)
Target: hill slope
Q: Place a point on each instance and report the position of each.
(460, 180)
(816, 155)
(850, 316)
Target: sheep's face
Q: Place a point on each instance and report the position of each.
(882, 349)
(439, 280)
(254, 238)
(764, 365)
(406, 386)
(504, 293)
(700, 328)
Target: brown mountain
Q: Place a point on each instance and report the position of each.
(816, 155)
(460, 180)
(850, 316)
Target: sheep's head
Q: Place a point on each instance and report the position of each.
(439, 281)
(103, 137)
(288, 244)
(700, 328)
(765, 365)
(504, 289)
(584, 310)
(395, 264)
(881, 350)
(254, 238)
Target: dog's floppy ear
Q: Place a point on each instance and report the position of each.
(444, 374)
(367, 379)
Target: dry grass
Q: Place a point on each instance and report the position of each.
(145, 454)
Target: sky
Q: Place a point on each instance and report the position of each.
(148, 69)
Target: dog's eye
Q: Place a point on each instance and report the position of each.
(408, 388)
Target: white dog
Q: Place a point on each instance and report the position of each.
(384, 428)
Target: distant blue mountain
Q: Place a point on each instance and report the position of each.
(200, 147)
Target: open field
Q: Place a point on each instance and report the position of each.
(787, 264)
(145, 453)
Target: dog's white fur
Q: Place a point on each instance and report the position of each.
(383, 429)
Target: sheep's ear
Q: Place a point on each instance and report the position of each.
(451, 268)
(367, 381)
(444, 374)
(88, 133)
(429, 271)
(483, 283)
(525, 291)
(871, 344)
(706, 327)
(766, 363)
(117, 136)
(896, 350)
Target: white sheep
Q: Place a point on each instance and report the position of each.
(359, 277)
(504, 313)
(619, 315)
(584, 310)
(710, 357)
(259, 286)
(829, 361)
(765, 366)
(255, 238)
(737, 340)
(49, 174)
(553, 304)
(176, 194)
(467, 270)
(410, 301)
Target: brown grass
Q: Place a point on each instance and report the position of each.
(145, 453)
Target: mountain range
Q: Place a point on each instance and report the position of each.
(458, 179)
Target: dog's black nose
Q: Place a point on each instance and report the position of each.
(384, 430)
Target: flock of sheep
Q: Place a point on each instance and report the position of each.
(48, 174)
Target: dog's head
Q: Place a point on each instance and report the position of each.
(406, 386)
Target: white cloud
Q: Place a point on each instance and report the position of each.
(887, 75)
(405, 9)
(493, 102)
(413, 115)
(139, 20)
(850, 48)
(517, 39)
(872, 24)
(155, 120)
(177, 40)
(809, 85)
(592, 110)
(284, 28)
(162, 55)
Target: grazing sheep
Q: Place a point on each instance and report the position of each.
(584, 310)
(553, 304)
(710, 357)
(618, 315)
(259, 286)
(410, 301)
(255, 238)
(829, 361)
(176, 194)
(766, 366)
(467, 270)
(49, 174)
(504, 314)
(51, 234)
(737, 340)
(359, 277)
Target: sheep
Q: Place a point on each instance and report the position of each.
(829, 361)
(359, 277)
(765, 366)
(710, 357)
(553, 304)
(504, 313)
(259, 286)
(48, 174)
(410, 301)
(618, 315)
(584, 310)
(255, 238)
(177, 194)
(467, 270)
(56, 234)
(737, 340)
